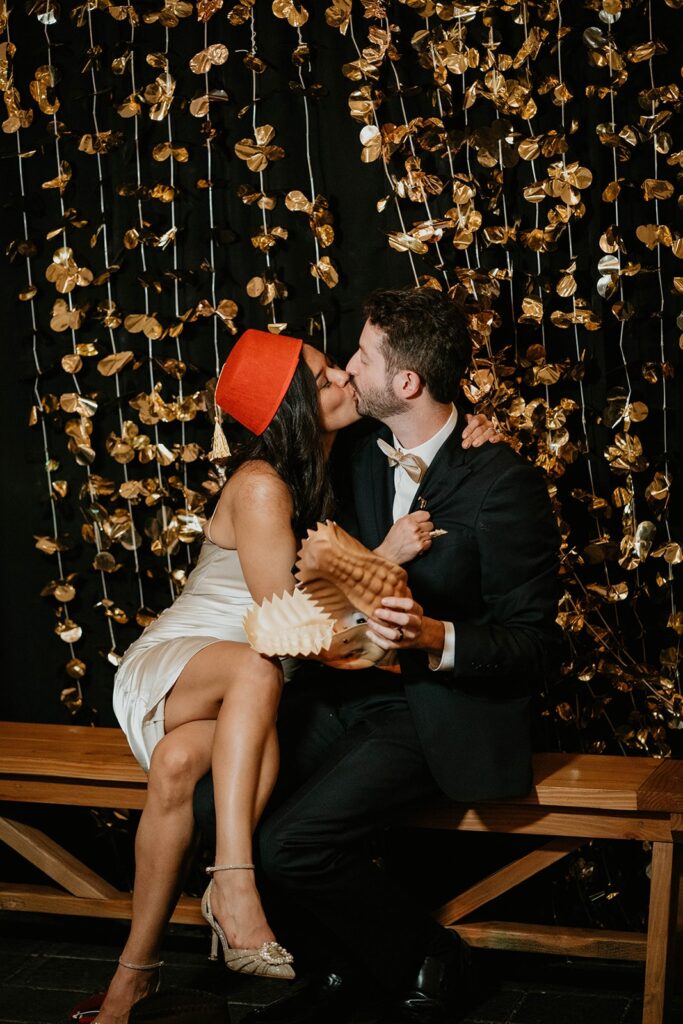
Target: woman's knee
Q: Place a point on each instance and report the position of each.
(258, 682)
(174, 771)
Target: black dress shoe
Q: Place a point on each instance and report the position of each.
(327, 998)
(439, 993)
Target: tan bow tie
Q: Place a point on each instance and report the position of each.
(414, 466)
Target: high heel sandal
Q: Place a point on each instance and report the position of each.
(269, 960)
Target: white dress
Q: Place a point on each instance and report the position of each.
(210, 608)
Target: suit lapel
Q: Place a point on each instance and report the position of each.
(447, 470)
(374, 490)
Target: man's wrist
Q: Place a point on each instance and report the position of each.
(432, 637)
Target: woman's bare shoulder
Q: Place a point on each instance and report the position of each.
(258, 483)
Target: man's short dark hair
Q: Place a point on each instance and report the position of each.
(426, 332)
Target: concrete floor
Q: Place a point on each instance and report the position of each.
(47, 965)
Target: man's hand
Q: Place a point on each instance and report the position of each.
(400, 624)
(407, 538)
(478, 431)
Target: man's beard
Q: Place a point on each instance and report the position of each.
(379, 403)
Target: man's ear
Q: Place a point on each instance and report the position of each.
(408, 384)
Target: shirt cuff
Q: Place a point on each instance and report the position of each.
(445, 663)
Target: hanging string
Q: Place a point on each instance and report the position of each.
(572, 257)
(143, 258)
(430, 219)
(254, 119)
(309, 162)
(219, 447)
(212, 219)
(176, 289)
(112, 337)
(384, 163)
(113, 658)
(47, 458)
(665, 406)
(449, 154)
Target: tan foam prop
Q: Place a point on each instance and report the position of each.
(340, 584)
(292, 624)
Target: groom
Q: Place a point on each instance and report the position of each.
(473, 642)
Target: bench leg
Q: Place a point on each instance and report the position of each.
(54, 861)
(661, 932)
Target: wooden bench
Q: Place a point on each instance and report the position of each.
(74, 766)
(575, 798)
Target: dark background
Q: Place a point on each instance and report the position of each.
(34, 657)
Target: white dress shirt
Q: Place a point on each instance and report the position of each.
(403, 499)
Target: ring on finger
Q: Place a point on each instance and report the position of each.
(400, 634)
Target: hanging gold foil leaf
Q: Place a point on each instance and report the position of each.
(298, 201)
(295, 13)
(145, 616)
(566, 286)
(611, 593)
(49, 545)
(216, 54)
(325, 270)
(670, 552)
(611, 191)
(164, 150)
(260, 152)
(658, 490)
(657, 188)
(652, 235)
(68, 631)
(644, 537)
(170, 14)
(675, 622)
(76, 668)
(62, 179)
(130, 106)
(253, 62)
(64, 319)
(65, 274)
(402, 242)
(159, 95)
(532, 311)
(338, 15)
(143, 323)
(114, 363)
(71, 698)
(104, 561)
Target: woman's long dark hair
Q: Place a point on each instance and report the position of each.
(292, 445)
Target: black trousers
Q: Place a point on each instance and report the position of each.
(351, 761)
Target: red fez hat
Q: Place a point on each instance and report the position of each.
(255, 377)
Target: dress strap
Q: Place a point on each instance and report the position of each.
(208, 525)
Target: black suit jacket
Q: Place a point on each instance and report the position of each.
(494, 575)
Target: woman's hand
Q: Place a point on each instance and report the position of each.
(407, 538)
(478, 431)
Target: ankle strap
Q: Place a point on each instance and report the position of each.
(141, 967)
(229, 867)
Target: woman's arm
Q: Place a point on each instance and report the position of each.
(260, 507)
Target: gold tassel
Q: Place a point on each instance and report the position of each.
(220, 448)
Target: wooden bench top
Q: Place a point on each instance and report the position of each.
(598, 781)
(67, 752)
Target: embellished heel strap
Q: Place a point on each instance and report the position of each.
(230, 867)
(141, 967)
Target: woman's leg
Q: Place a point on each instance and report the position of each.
(242, 689)
(162, 844)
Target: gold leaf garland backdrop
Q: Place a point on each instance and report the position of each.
(175, 172)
